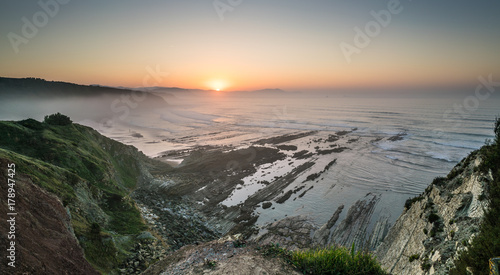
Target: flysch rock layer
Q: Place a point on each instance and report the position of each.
(431, 233)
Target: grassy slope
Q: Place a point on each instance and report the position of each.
(62, 159)
(329, 260)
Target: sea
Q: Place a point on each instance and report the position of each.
(431, 134)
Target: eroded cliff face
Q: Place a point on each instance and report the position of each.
(436, 226)
(43, 239)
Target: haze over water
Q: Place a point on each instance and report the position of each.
(433, 138)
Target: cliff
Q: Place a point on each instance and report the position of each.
(437, 226)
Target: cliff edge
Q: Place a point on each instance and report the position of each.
(437, 226)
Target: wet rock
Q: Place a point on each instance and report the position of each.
(267, 205)
(322, 236)
(287, 147)
(354, 227)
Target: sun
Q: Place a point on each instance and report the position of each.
(217, 84)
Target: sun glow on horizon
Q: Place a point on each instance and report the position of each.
(217, 84)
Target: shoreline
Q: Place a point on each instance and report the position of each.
(285, 170)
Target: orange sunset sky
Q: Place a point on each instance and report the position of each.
(246, 45)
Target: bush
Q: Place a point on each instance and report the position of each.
(413, 257)
(426, 265)
(409, 202)
(57, 119)
(31, 124)
(433, 217)
(439, 181)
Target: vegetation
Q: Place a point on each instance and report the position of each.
(437, 223)
(433, 217)
(409, 202)
(331, 260)
(439, 181)
(425, 265)
(57, 119)
(82, 168)
(413, 257)
(486, 244)
(210, 263)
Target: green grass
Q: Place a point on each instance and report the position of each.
(331, 260)
(61, 157)
(50, 177)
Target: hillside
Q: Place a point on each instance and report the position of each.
(34, 97)
(76, 184)
(40, 88)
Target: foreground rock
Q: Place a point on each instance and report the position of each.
(436, 226)
(224, 256)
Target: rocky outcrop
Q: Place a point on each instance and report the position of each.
(437, 225)
(291, 232)
(228, 255)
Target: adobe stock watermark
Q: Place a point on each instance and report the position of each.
(455, 115)
(223, 6)
(470, 104)
(373, 28)
(40, 19)
(249, 154)
(123, 105)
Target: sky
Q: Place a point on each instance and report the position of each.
(253, 44)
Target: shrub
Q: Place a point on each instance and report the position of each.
(433, 217)
(413, 257)
(426, 265)
(31, 124)
(57, 119)
(409, 202)
(439, 181)
(210, 263)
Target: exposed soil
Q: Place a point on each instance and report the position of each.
(44, 243)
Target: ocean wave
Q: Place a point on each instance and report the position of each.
(399, 149)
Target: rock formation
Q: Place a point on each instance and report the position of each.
(437, 225)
